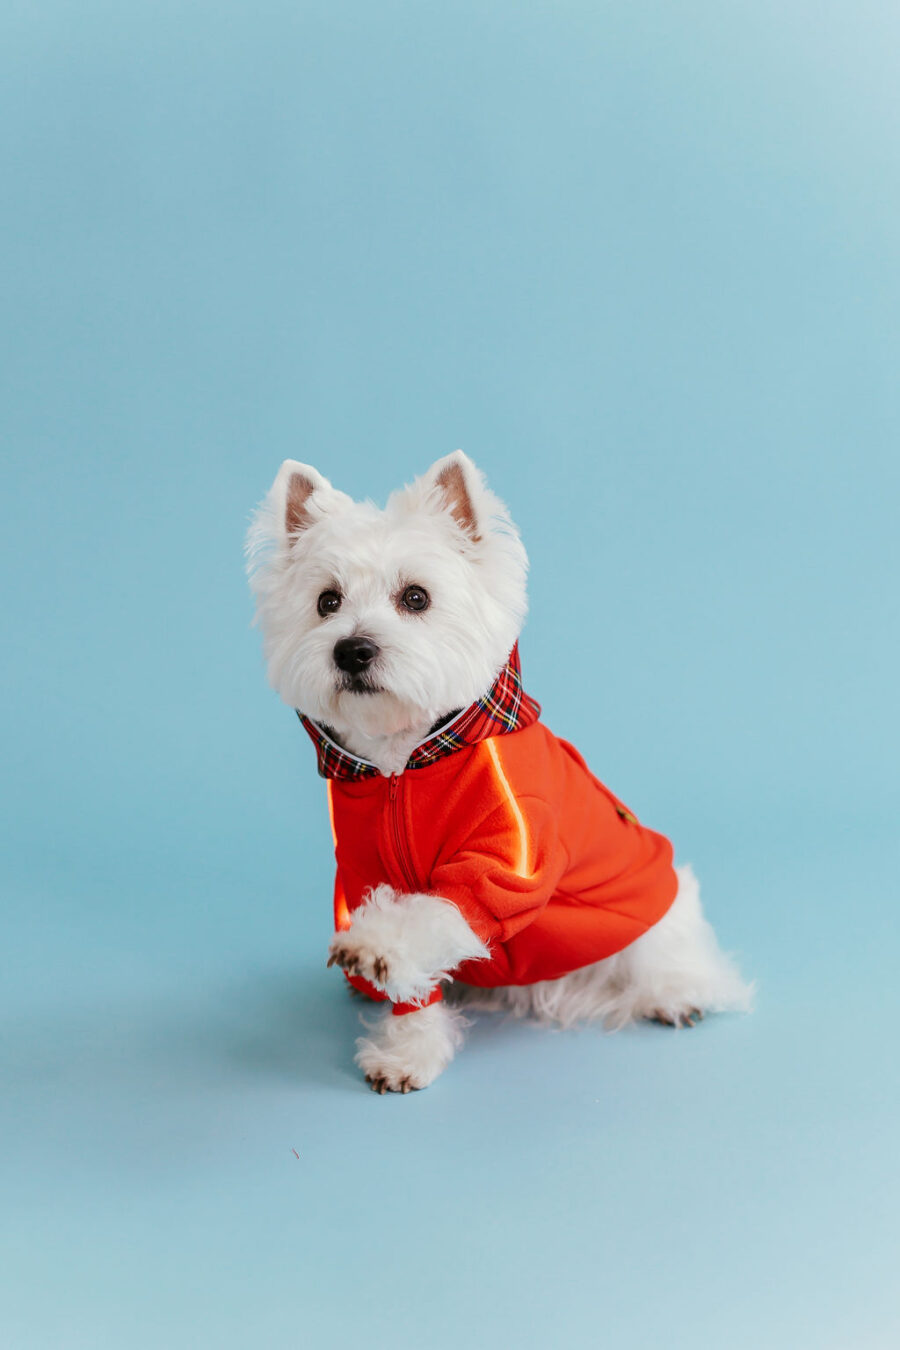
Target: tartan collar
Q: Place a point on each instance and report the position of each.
(504, 708)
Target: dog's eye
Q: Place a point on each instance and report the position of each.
(329, 603)
(415, 598)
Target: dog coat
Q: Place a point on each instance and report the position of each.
(496, 814)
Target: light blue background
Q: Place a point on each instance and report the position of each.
(641, 261)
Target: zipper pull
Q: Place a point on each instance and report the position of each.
(392, 781)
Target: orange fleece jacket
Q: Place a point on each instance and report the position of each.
(547, 866)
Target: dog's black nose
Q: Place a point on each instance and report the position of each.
(353, 654)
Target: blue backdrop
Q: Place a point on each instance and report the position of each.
(641, 262)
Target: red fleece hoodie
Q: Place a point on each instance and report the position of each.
(498, 815)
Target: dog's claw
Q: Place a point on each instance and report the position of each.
(353, 964)
(379, 1083)
(690, 1018)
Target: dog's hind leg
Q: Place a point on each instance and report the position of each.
(674, 974)
(677, 971)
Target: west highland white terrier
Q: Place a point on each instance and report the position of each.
(480, 864)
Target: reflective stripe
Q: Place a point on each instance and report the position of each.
(330, 809)
(521, 867)
(342, 919)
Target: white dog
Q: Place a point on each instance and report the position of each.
(477, 855)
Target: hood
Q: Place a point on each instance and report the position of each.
(503, 709)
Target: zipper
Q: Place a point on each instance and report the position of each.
(397, 835)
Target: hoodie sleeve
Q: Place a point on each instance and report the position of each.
(504, 873)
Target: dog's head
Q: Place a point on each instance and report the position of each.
(377, 621)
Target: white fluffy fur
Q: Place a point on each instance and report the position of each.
(459, 543)
(408, 1052)
(429, 664)
(405, 944)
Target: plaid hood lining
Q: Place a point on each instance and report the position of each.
(503, 709)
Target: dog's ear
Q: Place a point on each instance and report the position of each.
(300, 496)
(457, 486)
(302, 481)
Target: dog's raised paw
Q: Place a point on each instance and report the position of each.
(356, 959)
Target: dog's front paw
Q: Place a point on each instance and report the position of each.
(404, 944)
(358, 957)
(402, 1054)
(387, 1080)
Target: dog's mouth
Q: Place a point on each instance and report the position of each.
(358, 684)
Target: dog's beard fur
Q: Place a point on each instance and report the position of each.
(445, 532)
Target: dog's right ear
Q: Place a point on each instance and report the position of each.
(292, 490)
(299, 497)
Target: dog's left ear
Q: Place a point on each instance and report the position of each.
(457, 486)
